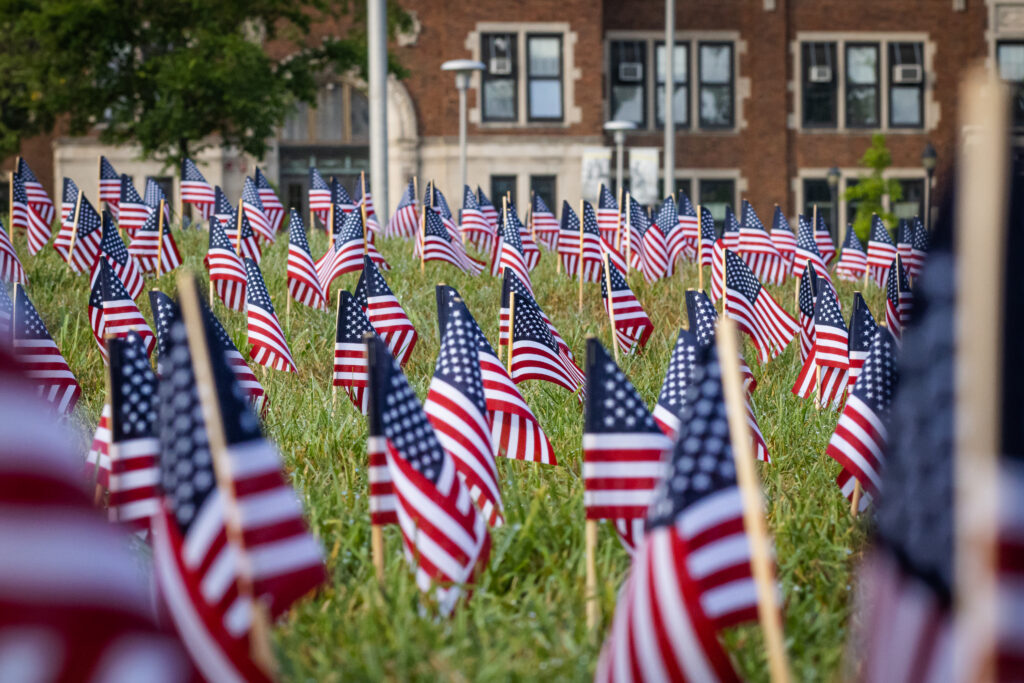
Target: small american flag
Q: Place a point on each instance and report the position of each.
(515, 432)
(656, 264)
(881, 251)
(682, 240)
(457, 409)
(607, 214)
(624, 449)
(350, 349)
(113, 251)
(110, 186)
(805, 309)
(730, 230)
(807, 250)
(905, 238)
(385, 314)
(703, 319)
(474, 224)
(435, 244)
(255, 212)
(272, 206)
(445, 537)
(6, 316)
(823, 238)
(534, 351)
(853, 259)
(68, 197)
(85, 248)
(898, 298)
(227, 272)
(757, 249)
(250, 246)
(632, 327)
(825, 370)
(11, 269)
(268, 346)
(38, 206)
(783, 237)
(132, 211)
(770, 327)
(706, 248)
(347, 254)
(147, 250)
(319, 195)
(364, 196)
(545, 225)
(405, 222)
(42, 362)
(512, 224)
(195, 190)
(918, 250)
(222, 209)
(510, 284)
(154, 195)
(340, 196)
(569, 243)
(487, 207)
(632, 241)
(303, 283)
(112, 312)
(862, 335)
(97, 462)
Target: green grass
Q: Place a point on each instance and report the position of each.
(526, 618)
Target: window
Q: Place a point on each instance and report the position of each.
(296, 194)
(906, 85)
(544, 77)
(330, 113)
(341, 116)
(684, 185)
(817, 193)
(296, 127)
(628, 79)
(1010, 57)
(819, 85)
(851, 205)
(680, 77)
(912, 202)
(165, 183)
(501, 184)
(544, 185)
(715, 195)
(862, 85)
(716, 85)
(498, 99)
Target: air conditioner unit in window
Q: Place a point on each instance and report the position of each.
(820, 74)
(908, 73)
(631, 72)
(500, 66)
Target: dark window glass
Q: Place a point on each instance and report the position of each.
(544, 185)
(862, 85)
(681, 78)
(500, 184)
(684, 185)
(716, 85)
(817, 193)
(499, 77)
(906, 85)
(818, 78)
(296, 193)
(715, 195)
(851, 205)
(358, 117)
(5, 204)
(627, 80)
(166, 184)
(1010, 57)
(544, 77)
(912, 202)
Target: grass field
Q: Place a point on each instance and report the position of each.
(526, 618)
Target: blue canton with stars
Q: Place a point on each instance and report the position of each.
(111, 243)
(638, 221)
(851, 241)
(469, 199)
(219, 236)
(685, 206)
(129, 195)
(668, 215)
(808, 290)
(879, 233)
(221, 204)
(297, 231)
(88, 220)
(371, 283)
(448, 300)
(613, 404)
(749, 217)
(703, 317)
(529, 325)
(339, 195)
(256, 292)
(589, 220)
(618, 280)
(133, 390)
(607, 199)
(730, 224)
(707, 226)
(805, 236)
(779, 221)
(352, 322)
(153, 193)
(108, 287)
(28, 324)
(862, 325)
(826, 311)
(433, 227)
(680, 370)
(250, 195)
(69, 194)
(458, 363)
(740, 278)
(877, 380)
(570, 221)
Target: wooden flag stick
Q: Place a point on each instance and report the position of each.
(579, 266)
(97, 495)
(362, 208)
(160, 239)
(211, 293)
(753, 503)
(99, 181)
(855, 499)
(423, 237)
(330, 223)
(241, 217)
(593, 608)
(700, 251)
(723, 276)
(611, 305)
(10, 202)
(511, 327)
(377, 551)
(74, 232)
(334, 387)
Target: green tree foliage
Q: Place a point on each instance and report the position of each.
(870, 191)
(170, 75)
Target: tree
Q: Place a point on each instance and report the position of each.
(170, 75)
(870, 191)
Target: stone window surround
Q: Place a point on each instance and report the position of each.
(741, 85)
(932, 112)
(695, 175)
(845, 173)
(570, 73)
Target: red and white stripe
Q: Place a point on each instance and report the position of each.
(130, 274)
(227, 274)
(851, 265)
(133, 215)
(389, 320)
(654, 258)
(11, 269)
(46, 368)
(350, 374)
(621, 472)
(545, 226)
(858, 444)
(266, 339)
(880, 257)
(895, 316)
(117, 318)
(273, 209)
(608, 224)
(39, 219)
(515, 432)
(382, 493)
(97, 462)
(632, 325)
(507, 256)
(758, 251)
(478, 230)
(770, 326)
(827, 382)
(682, 239)
(134, 482)
(784, 242)
(247, 381)
(345, 258)
(404, 222)
(259, 221)
(531, 360)
(320, 203)
(145, 249)
(303, 283)
(200, 195)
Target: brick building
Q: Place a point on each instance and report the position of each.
(770, 94)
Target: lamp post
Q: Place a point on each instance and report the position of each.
(833, 189)
(929, 159)
(669, 144)
(618, 130)
(463, 69)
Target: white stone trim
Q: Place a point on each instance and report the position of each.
(846, 173)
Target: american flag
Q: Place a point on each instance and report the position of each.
(783, 237)
(385, 314)
(511, 283)
(457, 409)
(805, 309)
(862, 335)
(68, 197)
(11, 269)
(624, 450)
(113, 251)
(303, 283)
(823, 238)
(222, 209)
(534, 351)
(147, 251)
(904, 238)
(347, 254)
(853, 259)
(545, 225)
(636, 224)
(706, 245)
(112, 312)
(227, 272)
(364, 196)
(898, 298)
(154, 195)
(770, 327)
(195, 190)
(38, 206)
(84, 249)
(730, 239)
(340, 196)
(319, 195)
(165, 312)
(825, 370)
(682, 240)
(730, 230)
(758, 251)
(350, 349)
(272, 206)
(512, 224)
(405, 221)
(445, 538)
(807, 250)
(655, 257)
(134, 446)
(569, 243)
(255, 212)
(860, 439)
(703, 319)
(607, 214)
(632, 327)
(478, 230)
(110, 187)
(918, 250)
(515, 432)
(266, 338)
(487, 207)
(6, 316)
(41, 360)
(97, 462)
(881, 251)
(132, 210)
(250, 246)
(437, 245)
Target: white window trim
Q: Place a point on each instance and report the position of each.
(696, 175)
(571, 112)
(741, 86)
(931, 109)
(847, 173)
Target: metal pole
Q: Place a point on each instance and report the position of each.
(620, 139)
(377, 38)
(462, 83)
(669, 151)
(928, 203)
(834, 228)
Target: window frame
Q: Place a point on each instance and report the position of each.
(688, 84)
(613, 78)
(805, 83)
(731, 84)
(485, 76)
(892, 46)
(847, 84)
(553, 199)
(495, 195)
(700, 181)
(1017, 86)
(560, 78)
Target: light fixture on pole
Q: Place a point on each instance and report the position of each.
(833, 189)
(463, 69)
(618, 130)
(929, 159)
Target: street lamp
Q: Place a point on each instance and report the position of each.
(929, 159)
(833, 188)
(463, 69)
(618, 130)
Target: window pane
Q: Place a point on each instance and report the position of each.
(500, 184)
(817, 193)
(544, 185)
(296, 193)
(716, 105)
(499, 45)
(912, 203)
(628, 103)
(861, 105)
(715, 195)
(628, 78)
(683, 185)
(819, 84)
(679, 74)
(329, 115)
(296, 127)
(715, 63)
(680, 103)
(499, 99)
(851, 205)
(546, 99)
(905, 106)
(862, 64)
(544, 55)
(1011, 62)
(359, 116)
